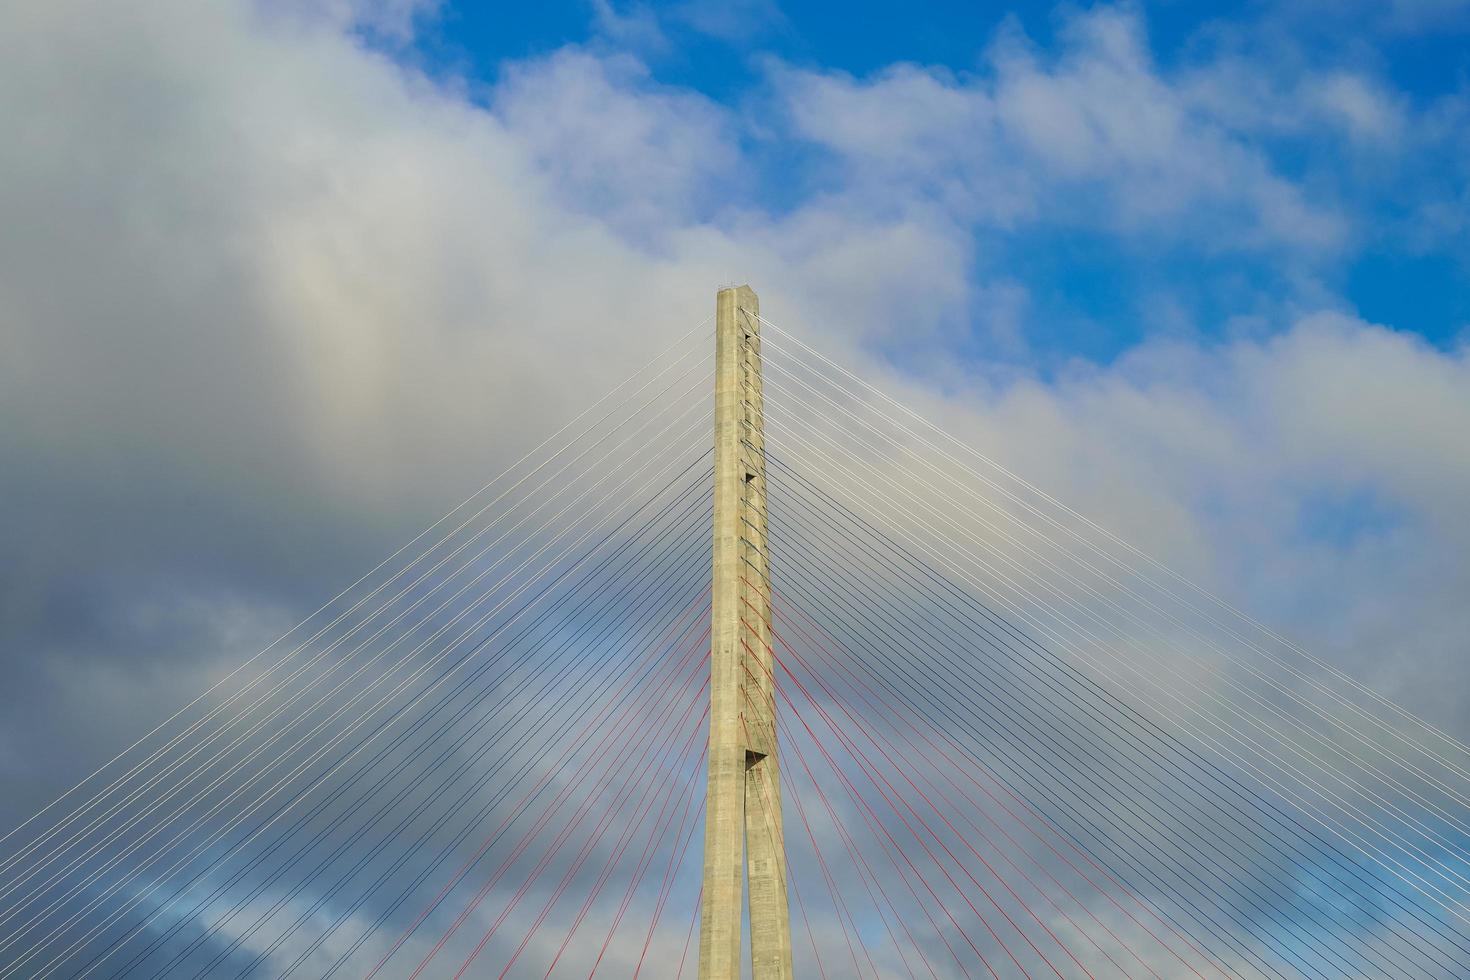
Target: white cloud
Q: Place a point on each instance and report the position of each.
(268, 295)
(637, 27)
(1363, 108)
(734, 20)
(260, 282)
(1093, 134)
(260, 262)
(391, 20)
(615, 145)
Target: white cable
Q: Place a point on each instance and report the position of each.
(333, 646)
(689, 532)
(977, 541)
(1215, 695)
(1452, 906)
(255, 806)
(118, 832)
(1336, 672)
(1377, 747)
(322, 655)
(260, 801)
(1365, 763)
(805, 541)
(1422, 856)
(9, 861)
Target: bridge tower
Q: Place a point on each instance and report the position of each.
(743, 840)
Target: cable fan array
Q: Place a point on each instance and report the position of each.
(1035, 752)
(1012, 745)
(511, 694)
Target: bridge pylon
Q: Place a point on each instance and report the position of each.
(743, 838)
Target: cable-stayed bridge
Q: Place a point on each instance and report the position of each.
(542, 738)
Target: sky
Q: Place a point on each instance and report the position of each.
(1291, 85)
(281, 282)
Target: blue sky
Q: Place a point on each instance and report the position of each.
(281, 282)
(1089, 292)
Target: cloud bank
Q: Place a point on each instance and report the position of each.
(272, 297)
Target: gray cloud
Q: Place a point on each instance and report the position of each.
(269, 300)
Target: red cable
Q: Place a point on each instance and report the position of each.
(646, 861)
(596, 719)
(858, 798)
(875, 825)
(832, 892)
(645, 803)
(638, 872)
(830, 658)
(874, 780)
(807, 924)
(852, 847)
(902, 771)
(872, 736)
(872, 819)
(1069, 863)
(627, 714)
(806, 921)
(524, 843)
(873, 775)
(666, 888)
(556, 845)
(1105, 893)
(693, 917)
(850, 843)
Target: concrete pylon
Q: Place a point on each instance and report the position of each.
(743, 839)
